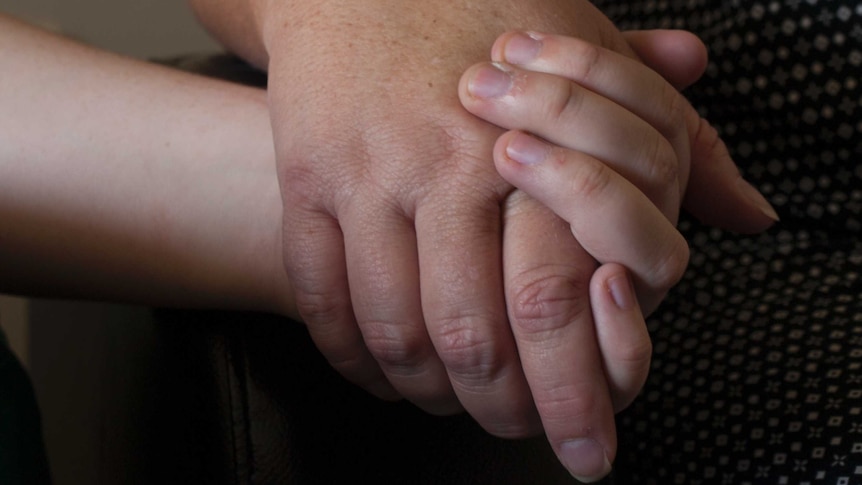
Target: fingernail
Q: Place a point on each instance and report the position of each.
(526, 149)
(622, 292)
(521, 48)
(585, 459)
(758, 199)
(491, 81)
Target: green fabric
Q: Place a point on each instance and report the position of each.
(22, 451)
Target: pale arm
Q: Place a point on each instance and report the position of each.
(128, 181)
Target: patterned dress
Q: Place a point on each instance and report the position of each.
(757, 372)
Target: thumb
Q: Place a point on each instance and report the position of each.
(717, 193)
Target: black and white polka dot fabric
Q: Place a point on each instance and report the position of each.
(757, 372)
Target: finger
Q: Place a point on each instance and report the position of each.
(622, 333)
(383, 271)
(677, 55)
(569, 115)
(314, 260)
(461, 283)
(547, 277)
(612, 75)
(610, 217)
(720, 196)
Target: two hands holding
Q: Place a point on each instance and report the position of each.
(513, 289)
(425, 272)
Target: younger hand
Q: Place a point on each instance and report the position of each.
(627, 139)
(613, 162)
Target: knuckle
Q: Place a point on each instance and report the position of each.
(677, 107)
(547, 302)
(634, 354)
(567, 103)
(568, 404)
(470, 356)
(323, 311)
(300, 181)
(466, 146)
(707, 138)
(325, 319)
(662, 162)
(447, 154)
(394, 348)
(583, 60)
(592, 180)
(670, 267)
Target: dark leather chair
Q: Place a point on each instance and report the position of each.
(22, 452)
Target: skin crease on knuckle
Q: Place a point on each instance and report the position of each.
(663, 174)
(398, 350)
(563, 405)
(472, 357)
(566, 104)
(592, 177)
(546, 300)
(581, 61)
(633, 354)
(672, 123)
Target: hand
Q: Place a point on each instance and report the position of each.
(556, 85)
(392, 219)
(383, 175)
(604, 114)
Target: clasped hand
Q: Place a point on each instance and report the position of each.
(423, 273)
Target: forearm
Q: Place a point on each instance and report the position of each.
(126, 181)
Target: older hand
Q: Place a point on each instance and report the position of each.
(393, 216)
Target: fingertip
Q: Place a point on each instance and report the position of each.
(718, 195)
(621, 331)
(517, 47)
(499, 47)
(467, 100)
(586, 459)
(678, 55)
(757, 200)
(613, 291)
(621, 291)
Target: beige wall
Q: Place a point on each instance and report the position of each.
(140, 28)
